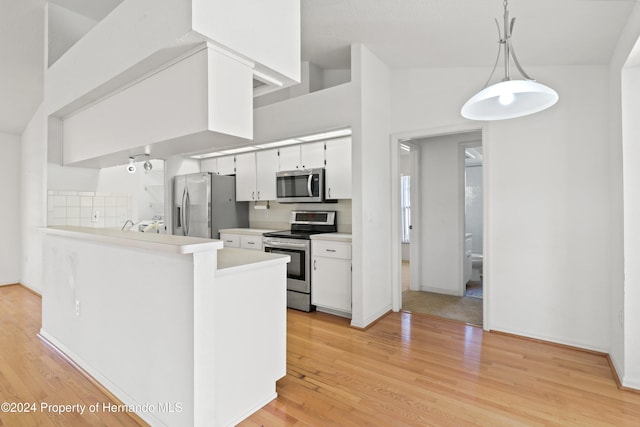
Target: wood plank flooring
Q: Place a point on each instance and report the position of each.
(406, 370)
(416, 370)
(31, 372)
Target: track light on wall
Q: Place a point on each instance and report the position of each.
(131, 167)
(508, 98)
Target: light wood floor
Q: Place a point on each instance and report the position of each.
(31, 372)
(406, 370)
(416, 370)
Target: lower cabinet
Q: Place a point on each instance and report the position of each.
(251, 242)
(243, 241)
(331, 276)
(230, 240)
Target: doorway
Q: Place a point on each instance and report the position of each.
(440, 261)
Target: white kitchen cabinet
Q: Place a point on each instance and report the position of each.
(246, 177)
(266, 168)
(251, 242)
(209, 165)
(338, 168)
(243, 241)
(289, 158)
(218, 165)
(331, 276)
(312, 155)
(230, 240)
(256, 175)
(304, 156)
(226, 165)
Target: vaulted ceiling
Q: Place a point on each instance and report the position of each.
(403, 33)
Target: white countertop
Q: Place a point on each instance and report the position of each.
(235, 258)
(246, 231)
(336, 237)
(150, 241)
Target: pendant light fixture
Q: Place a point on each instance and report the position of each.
(508, 98)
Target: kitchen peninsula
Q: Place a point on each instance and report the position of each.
(180, 329)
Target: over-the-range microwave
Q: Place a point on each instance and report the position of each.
(300, 186)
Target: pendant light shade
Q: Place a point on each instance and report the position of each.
(509, 98)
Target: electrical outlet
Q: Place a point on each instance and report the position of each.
(95, 215)
(77, 308)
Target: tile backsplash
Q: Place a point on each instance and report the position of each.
(88, 209)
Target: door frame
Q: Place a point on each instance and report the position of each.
(396, 228)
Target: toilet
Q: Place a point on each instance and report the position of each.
(476, 267)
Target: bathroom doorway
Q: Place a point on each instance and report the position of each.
(439, 264)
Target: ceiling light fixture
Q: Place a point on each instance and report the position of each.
(509, 98)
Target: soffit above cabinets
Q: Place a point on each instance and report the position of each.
(138, 37)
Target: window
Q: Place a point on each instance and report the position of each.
(405, 200)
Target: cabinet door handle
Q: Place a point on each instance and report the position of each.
(258, 195)
(253, 195)
(329, 192)
(314, 265)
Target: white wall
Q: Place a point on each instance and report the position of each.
(104, 54)
(548, 234)
(265, 32)
(319, 111)
(441, 212)
(623, 331)
(33, 206)
(631, 136)
(10, 214)
(146, 188)
(371, 188)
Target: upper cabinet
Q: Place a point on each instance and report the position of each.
(303, 156)
(338, 168)
(256, 175)
(219, 165)
(289, 158)
(226, 165)
(256, 171)
(312, 155)
(266, 168)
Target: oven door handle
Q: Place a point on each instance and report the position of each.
(285, 245)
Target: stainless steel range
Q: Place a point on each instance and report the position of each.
(297, 244)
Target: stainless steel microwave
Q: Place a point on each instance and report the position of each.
(300, 186)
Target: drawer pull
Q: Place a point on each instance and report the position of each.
(251, 243)
(330, 250)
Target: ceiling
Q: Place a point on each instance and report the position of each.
(402, 33)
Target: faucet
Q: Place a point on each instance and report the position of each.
(125, 224)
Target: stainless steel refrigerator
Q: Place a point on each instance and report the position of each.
(204, 203)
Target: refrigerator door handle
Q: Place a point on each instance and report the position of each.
(187, 209)
(182, 212)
